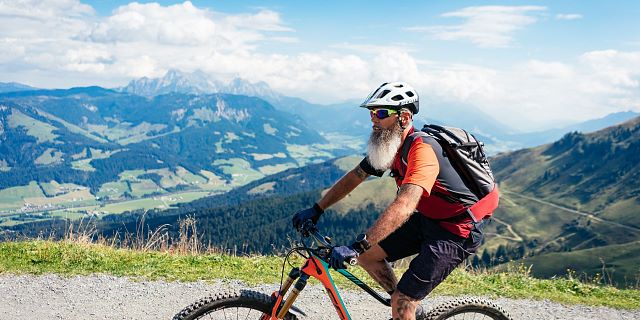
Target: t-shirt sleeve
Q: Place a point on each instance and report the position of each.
(422, 167)
(369, 169)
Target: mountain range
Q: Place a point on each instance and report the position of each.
(14, 86)
(354, 121)
(175, 81)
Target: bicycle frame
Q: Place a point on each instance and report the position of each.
(318, 268)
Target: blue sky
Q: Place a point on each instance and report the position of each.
(530, 64)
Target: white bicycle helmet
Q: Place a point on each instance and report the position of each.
(393, 95)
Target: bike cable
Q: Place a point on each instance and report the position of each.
(297, 250)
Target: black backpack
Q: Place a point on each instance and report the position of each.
(466, 155)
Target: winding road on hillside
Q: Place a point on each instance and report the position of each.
(586, 214)
(107, 297)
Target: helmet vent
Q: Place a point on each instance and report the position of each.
(409, 93)
(397, 98)
(384, 93)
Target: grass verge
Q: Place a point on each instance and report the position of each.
(73, 258)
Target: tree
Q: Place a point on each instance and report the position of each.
(486, 258)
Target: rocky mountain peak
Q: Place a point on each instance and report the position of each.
(197, 82)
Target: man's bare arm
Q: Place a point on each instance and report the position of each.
(396, 214)
(342, 188)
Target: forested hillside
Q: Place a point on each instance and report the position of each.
(112, 146)
(562, 199)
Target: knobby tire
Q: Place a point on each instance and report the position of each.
(468, 308)
(252, 303)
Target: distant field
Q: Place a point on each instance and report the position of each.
(129, 182)
(49, 156)
(113, 190)
(272, 169)
(347, 164)
(41, 130)
(157, 202)
(305, 154)
(240, 170)
(4, 166)
(71, 127)
(83, 165)
(124, 134)
(144, 187)
(263, 188)
(214, 182)
(13, 198)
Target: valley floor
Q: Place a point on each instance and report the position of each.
(107, 297)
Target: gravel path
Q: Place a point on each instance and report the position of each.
(108, 297)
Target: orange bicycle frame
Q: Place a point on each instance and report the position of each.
(319, 269)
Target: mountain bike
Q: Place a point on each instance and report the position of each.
(247, 304)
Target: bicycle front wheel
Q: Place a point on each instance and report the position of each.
(243, 304)
(468, 309)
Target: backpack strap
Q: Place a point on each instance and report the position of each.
(404, 154)
(445, 135)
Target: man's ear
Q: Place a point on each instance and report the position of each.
(406, 118)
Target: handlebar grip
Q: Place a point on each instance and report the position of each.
(353, 261)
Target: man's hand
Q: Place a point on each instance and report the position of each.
(341, 254)
(312, 213)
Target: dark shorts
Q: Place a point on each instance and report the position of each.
(439, 253)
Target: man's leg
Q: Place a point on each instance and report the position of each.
(403, 307)
(373, 261)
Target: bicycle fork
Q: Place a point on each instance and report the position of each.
(312, 268)
(288, 302)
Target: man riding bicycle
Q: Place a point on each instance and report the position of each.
(412, 224)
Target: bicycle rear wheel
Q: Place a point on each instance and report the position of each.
(243, 304)
(468, 309)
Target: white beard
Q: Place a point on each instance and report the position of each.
(383, 146)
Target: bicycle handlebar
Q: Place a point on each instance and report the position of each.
(309, 229)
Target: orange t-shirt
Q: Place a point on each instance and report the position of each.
(429, 169)
(424, 169)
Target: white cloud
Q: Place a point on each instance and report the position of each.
(186, 25)
(568, 16)
(265, 20)
(44, 10)
(65, 36)
(537, 93)
(485, 26)
(53, 19)
(63, 43)
(367, 49)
